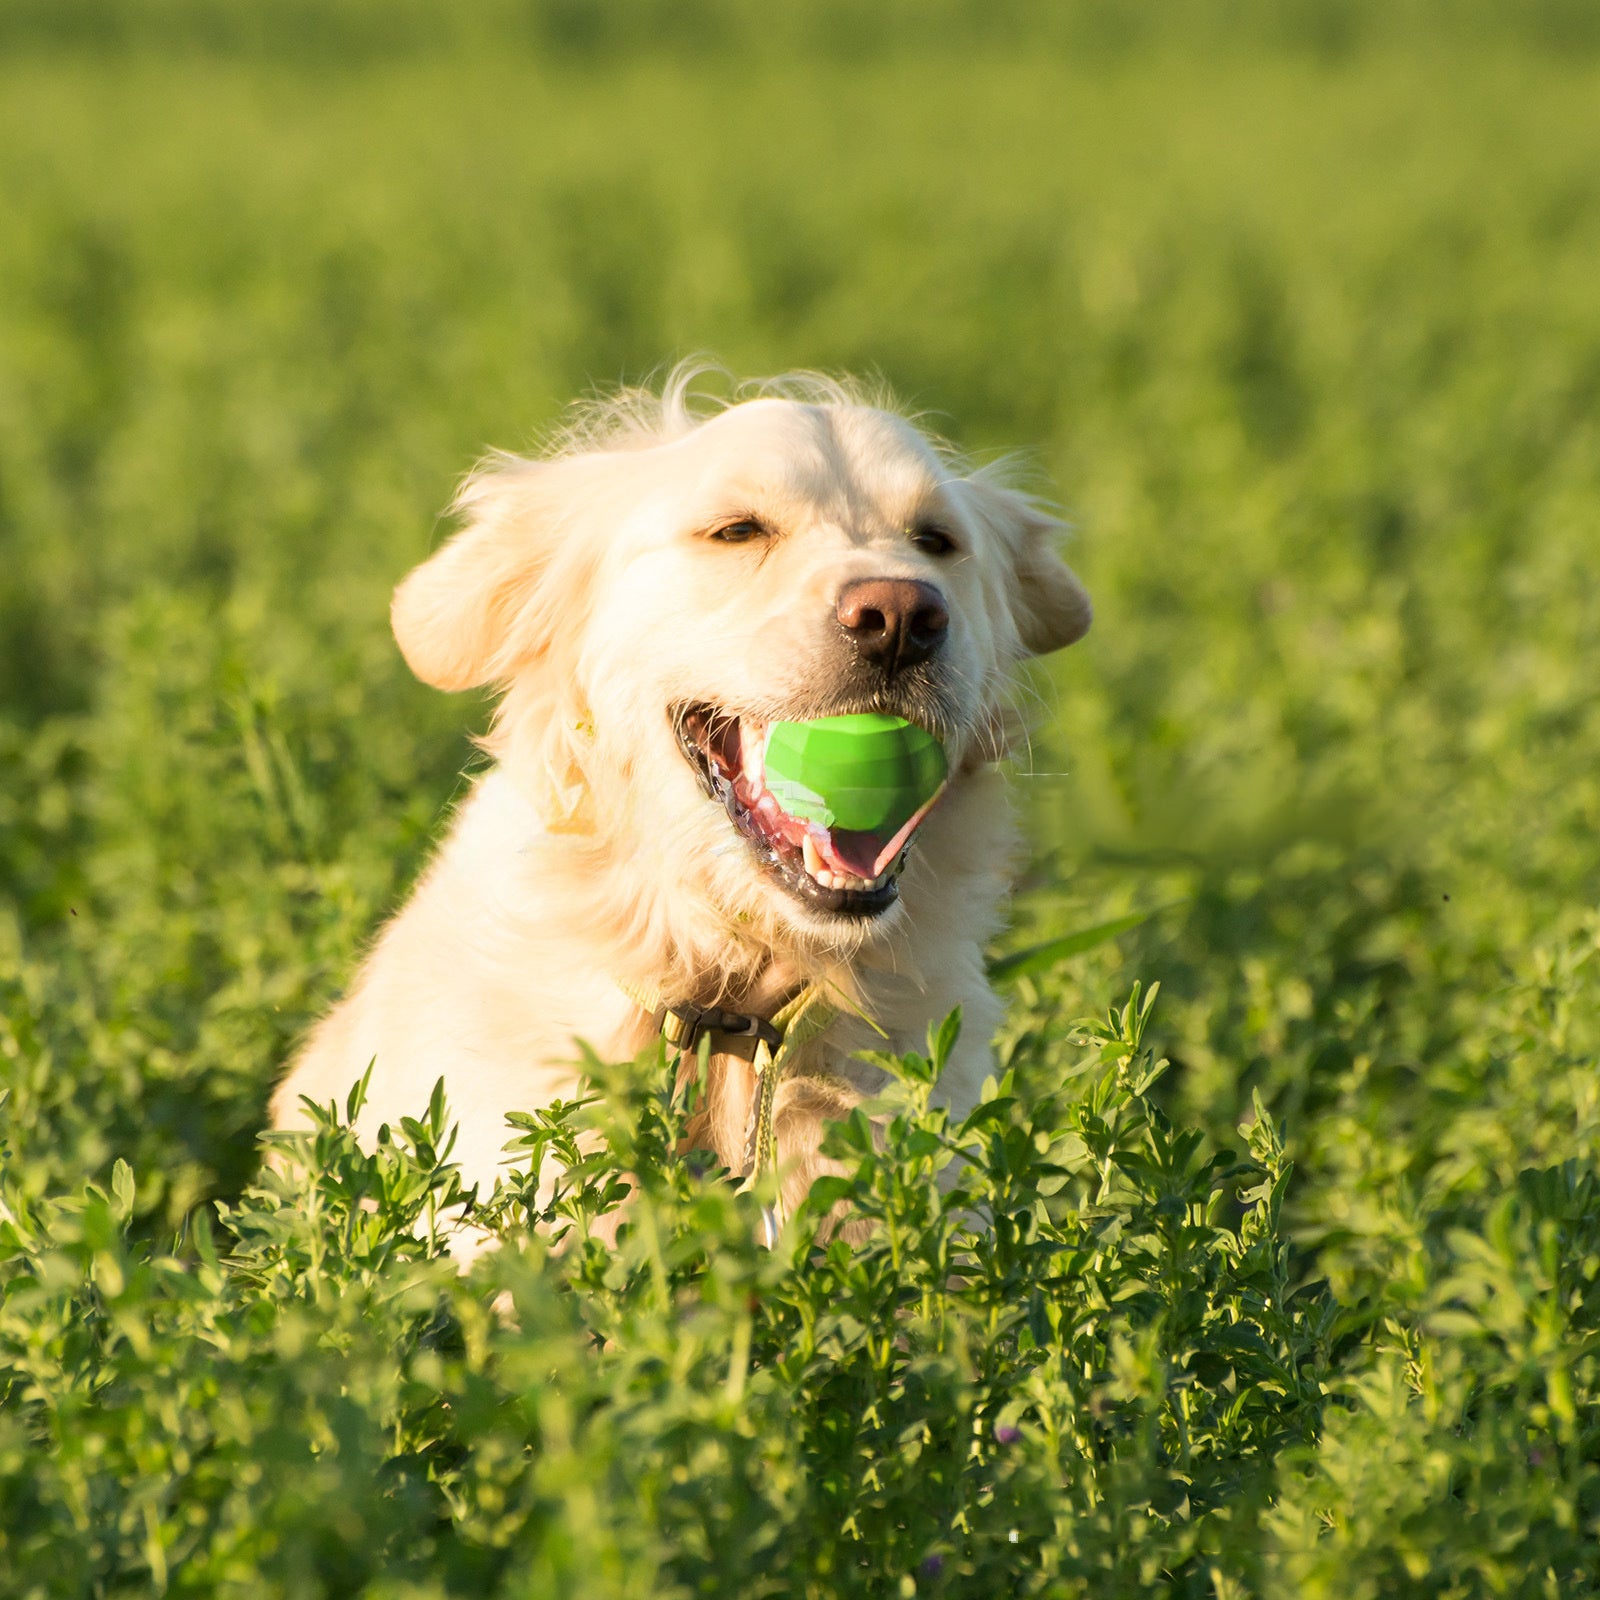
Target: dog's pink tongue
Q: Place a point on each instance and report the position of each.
(855, 853)
(868, 854)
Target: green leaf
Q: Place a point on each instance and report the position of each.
(942, 1040)
(122, 1188)
(1042, 957)
(358, 1094)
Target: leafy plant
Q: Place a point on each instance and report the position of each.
(1296, 306)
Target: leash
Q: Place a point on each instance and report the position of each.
(684, 1024)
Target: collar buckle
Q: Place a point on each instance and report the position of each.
(683, 1026)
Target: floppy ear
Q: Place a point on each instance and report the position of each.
(1052, 608)
(1049, 606)
(483, 605)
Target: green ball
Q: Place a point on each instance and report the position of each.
(865, 773)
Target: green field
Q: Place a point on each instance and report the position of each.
(1298, 309)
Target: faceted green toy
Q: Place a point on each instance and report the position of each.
(866, 773)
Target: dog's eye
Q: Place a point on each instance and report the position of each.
(740, 532)
(932, 541)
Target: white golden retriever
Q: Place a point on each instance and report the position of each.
(668, 580)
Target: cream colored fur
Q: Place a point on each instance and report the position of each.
(583, 585)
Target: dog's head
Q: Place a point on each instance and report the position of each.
(659, 591)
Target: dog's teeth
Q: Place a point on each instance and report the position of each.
(825, 877)
(753, 752)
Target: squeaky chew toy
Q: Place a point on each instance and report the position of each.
(865, 773)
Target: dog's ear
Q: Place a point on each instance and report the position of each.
(1049, 606)
(486, 603)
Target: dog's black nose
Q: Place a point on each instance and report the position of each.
(893, 622)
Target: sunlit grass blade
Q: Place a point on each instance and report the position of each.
(1042, 957)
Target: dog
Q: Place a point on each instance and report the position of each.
(649, 595)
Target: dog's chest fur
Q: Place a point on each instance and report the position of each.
(493, 969)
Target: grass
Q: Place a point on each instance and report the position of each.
(1297, 309)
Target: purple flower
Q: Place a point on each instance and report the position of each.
(931, 1566)
(1004, 1433)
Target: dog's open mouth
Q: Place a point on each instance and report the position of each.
(831, 869)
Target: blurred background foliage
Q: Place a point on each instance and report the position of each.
(1295, 305)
